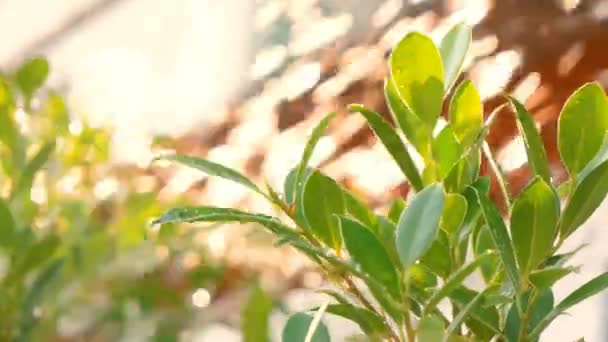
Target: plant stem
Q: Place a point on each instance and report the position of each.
(407, 319)
(523, 321)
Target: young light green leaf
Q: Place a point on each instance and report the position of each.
(589, 289)
(367, 251)
(397, 207)
(359, 210)
(545, 278)
(453, 213)
(446, 151)
(415, 131)
(466, 113)
(582, 126)
(7, 225)
(315, 136)
(453, 48)
(417, 70)
(537, 157)
(32, 75)
(255, 317)
(422, 277)
(430, 329)
(537, 310)
(393, 144)
(586, 197)
(500, 236)
(533, 225)
(419, 223)
(322, 199)
(27, 175)
(213, 169)
(454, 281)
(369, 322)
(296, 328)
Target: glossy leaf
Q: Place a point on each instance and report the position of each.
(367, 251)
(466, 113)
(32, 75)
(255, 317)
(393, 144)
(586, 197)
(454, 281)
(545, 278)
(537, 157)
(417, 70)
(419, 223)
(453, 48)
(533, 225)
(430, 329)
(369, 322)
(413, 128)
(454, 213)
(315, 136)
(7, 225)
(500, 236)
(446, 151)
(212, 169)
(322, 199)
(297, 326)
(539, 309)
(582, 126)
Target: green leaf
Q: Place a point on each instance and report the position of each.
(533, 226)
(385, 232)
(32, 75)
(560, 259)
(213, 169)
(367, 251)
(296, 328)
(26, 178)
(537, 157)
(582, 126)
(545, 278)
(358, 210)
(460, 176)
(322, 199)
(393, 144)
(419, 223)
(484, 243)
(369, 322)
(430, 329)
(586, 197)
(500, 236)
(473, 210)
(315, 136)
(464, 313)
(453, 48)
(483, 318)
(466, 113)
(419, 135)
(7, 225)
(446, 151)
(36, 255)
(454, 281)
(539, 309)
(437, 258)
(453, 213)
(213, 214)
(589, 289)
(417, 70)
(255, 317)
(396, 209)
(422, 277)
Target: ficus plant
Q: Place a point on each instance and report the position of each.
(402, 276)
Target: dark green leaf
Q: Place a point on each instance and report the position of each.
(316, 134)
(484, 243)
(545, 278)
(393, 144)
(255, 317)
(31, 75)
(464, 313)
(417, 70)
(7, 225)
(322, 199)
(385, 232)
(582, 126)
(558, 260)
(358, 210)
(453, 213)
(466, 113)
(297, 327)
(586, 197)
(413, 128)
(367, 251)
(537, 157)
(539, 309)
(430, 329)
(589, 289)
(483, 320)
(453, 48)
(533, 226)
(500, 236)
(437, 258)
(419, 223)
(370, 323)
(396, 209)
(213, 169)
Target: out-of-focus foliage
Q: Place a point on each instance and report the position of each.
(77, 256)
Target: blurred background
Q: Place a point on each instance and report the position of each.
(242, 82)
